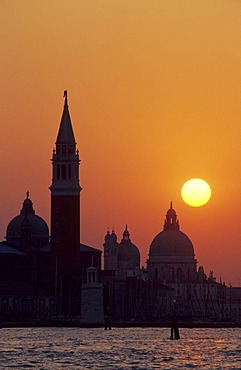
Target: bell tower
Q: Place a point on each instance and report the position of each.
(111, 251)
(65, 199)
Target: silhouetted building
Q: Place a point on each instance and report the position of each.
(171, 280)
(131, 295)
(92, 306)
(172, 262)
(69, 258)
(25, 303)
(111, 251)
(24, 264)
(171, 254)
(123, 257)
(128, 256)
(42, 276)
(65, 199)
(27, 231)
(24, 256)
(58, 266)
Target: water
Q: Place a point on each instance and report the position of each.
(119, 348)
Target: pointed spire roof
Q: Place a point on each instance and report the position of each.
(66, 133)
(126, 234)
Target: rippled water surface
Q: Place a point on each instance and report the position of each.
(132, 348)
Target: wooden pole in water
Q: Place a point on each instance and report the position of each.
(174, 326)
(107, 320)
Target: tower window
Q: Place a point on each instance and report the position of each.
(63, 170)
(58, 172)
(64, 149)
(70, 149)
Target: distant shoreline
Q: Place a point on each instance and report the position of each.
(66, 324)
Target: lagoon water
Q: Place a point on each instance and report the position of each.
(119, 348)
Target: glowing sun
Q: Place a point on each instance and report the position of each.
(196, 192)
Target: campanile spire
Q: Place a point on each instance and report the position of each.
(65, 158)
(65, 197)
(66, 133)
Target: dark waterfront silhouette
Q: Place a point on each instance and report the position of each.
(54, 279)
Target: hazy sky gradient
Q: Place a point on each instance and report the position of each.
(154, 96)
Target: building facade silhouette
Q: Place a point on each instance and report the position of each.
(171, 281)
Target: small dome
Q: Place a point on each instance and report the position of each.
(39, 231)
(128, 253)
(171, 212)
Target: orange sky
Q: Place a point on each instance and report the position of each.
(154, 96)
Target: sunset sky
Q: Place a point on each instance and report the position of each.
(154, 97)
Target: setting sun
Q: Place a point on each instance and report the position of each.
(196, 192)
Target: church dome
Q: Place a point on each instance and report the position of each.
(171, 240)
(38, 228)
(128, 253)
(171, 212)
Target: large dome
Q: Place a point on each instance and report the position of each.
(171, 254)
(171, 242)
(27, 220)
(128, 253)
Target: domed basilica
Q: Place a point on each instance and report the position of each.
(123, 257)
(171, 255)
(27, 230)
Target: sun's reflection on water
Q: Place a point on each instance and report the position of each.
(132, 348)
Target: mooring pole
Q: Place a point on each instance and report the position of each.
(174, 326)
(107, 319)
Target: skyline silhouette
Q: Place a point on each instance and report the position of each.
(155, 100)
